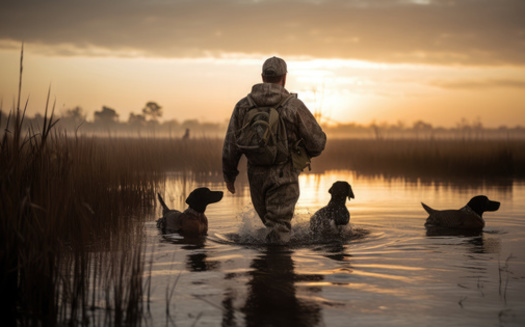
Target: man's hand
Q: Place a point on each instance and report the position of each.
(231, 187)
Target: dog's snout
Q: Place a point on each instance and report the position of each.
(216, 196)
(493, 205)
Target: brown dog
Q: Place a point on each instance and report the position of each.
(468, 217)
(335, 215)
(192, 222)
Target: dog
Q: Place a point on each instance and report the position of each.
(192, 222)
(467, 218)
(334, 216)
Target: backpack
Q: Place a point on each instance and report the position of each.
(262, 137)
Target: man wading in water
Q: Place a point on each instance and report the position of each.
(278, 135)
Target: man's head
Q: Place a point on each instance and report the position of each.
(274, 71)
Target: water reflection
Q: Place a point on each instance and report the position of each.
(198, 260)
(335, 251)
(475, 241)
(392, 271)
(272, 299)
(228, 313)
(443, 231)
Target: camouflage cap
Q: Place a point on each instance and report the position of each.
(274, 66)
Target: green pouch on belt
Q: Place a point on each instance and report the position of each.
(300, 157)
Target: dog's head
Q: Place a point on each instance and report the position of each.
(201, 197)
(341, 189)
(481, 203)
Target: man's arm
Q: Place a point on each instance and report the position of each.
(231, 153)
(314, 139)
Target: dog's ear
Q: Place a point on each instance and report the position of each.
(478, 204)
(197, 197)
(350, 192)
(192, 199)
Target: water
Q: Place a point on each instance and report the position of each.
(388, 273)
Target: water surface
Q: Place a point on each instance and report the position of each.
(390, 272)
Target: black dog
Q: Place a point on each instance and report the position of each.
(192, 222)
(469, 217)
(335, 215)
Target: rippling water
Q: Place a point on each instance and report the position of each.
(389, 272)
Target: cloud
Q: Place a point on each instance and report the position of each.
(481, 32)
(480, 84)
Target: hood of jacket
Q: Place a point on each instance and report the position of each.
(268, 94)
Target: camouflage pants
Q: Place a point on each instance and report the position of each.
(274, 191)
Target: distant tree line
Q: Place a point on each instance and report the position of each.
(107, 121)
(147, 123)
(423, 130)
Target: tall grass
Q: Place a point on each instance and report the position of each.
(429, 158)
(70, 209)
(197, 155)
(443, 158)
(70, 228)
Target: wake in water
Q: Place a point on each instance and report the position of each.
(252, 232)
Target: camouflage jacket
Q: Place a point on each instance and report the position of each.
(299, 121)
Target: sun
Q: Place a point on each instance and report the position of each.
(349, 91)
(328, 88)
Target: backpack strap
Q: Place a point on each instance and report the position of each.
(251, 102)
(274, 114)
(285, 100)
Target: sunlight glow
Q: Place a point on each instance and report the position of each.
(207, 88)
(330, 95)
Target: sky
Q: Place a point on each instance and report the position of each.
(361, 61)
